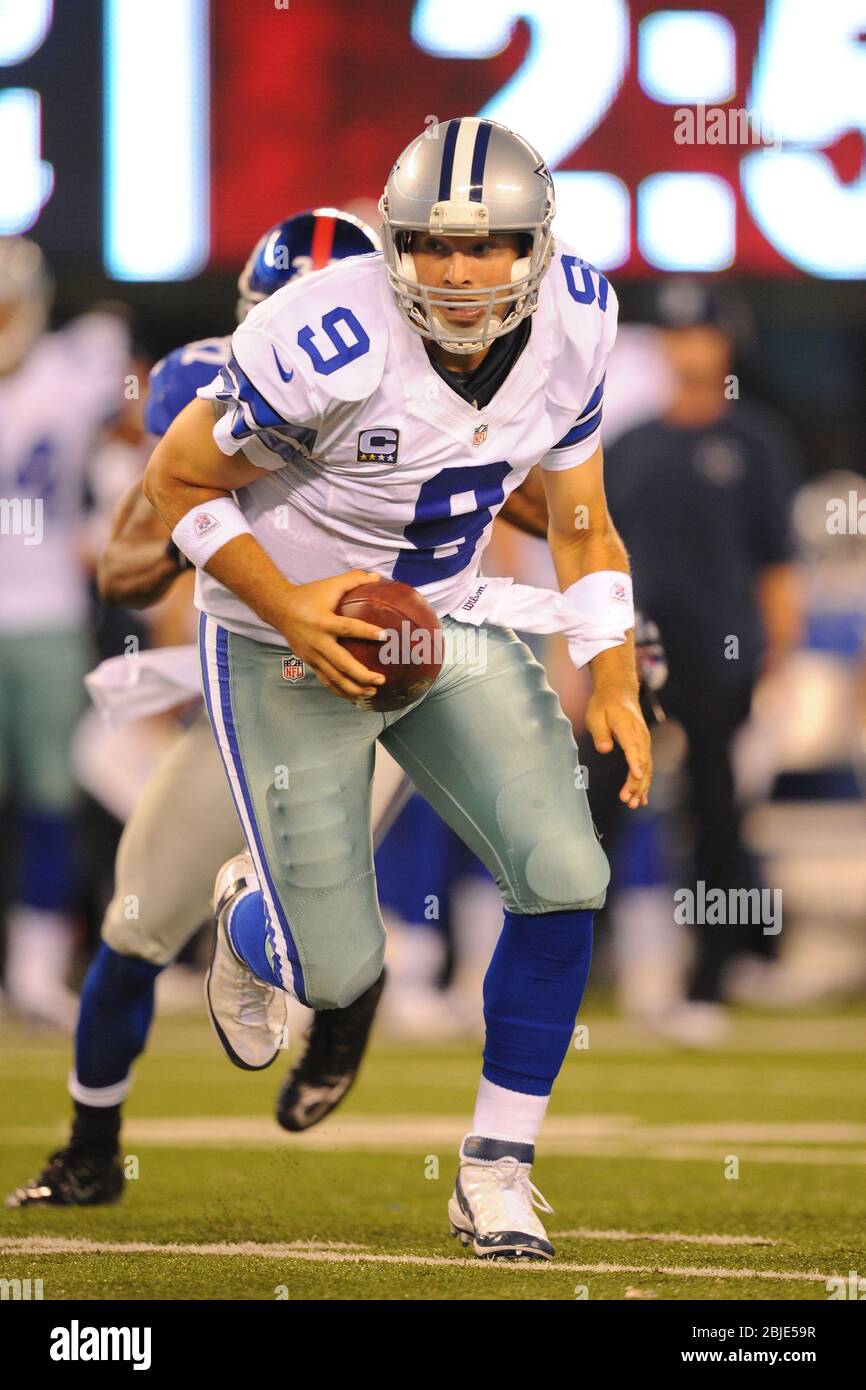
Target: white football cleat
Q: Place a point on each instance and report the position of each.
(493, 1200)
(249, 1016)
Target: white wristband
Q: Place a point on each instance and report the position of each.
(207, 528)
(604, 600)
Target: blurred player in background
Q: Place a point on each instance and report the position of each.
(57, 390)
(703, 497)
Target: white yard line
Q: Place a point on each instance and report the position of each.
(58, 1245)
(73, 1245)
(663, 1237)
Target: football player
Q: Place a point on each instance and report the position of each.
(387, 407)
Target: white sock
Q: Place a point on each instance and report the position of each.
(39, 947)
(503, 1114)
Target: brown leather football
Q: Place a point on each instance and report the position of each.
(410, 657)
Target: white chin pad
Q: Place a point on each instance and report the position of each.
(520, 268)
(459, 333)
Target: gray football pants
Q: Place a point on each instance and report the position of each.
(183, 828)
(488, 746)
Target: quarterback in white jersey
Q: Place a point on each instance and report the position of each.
(374, 420)
(368, 459)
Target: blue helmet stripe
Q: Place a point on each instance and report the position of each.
(448, 160)
(479, 155)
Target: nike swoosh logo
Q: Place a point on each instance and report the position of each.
(287, 376)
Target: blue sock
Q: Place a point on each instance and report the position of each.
(47, 873)
(115, 1016)
(532, 992)
(249, 935)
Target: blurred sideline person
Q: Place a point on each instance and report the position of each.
(702, 497)
(807, 744)
(57, 390)
(184, 825)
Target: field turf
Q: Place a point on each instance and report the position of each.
(737, 1175)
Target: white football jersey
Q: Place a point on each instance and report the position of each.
(51, 411)
(372, 460)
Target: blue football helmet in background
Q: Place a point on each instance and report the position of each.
(298, 245)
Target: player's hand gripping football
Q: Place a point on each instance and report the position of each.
(311, 628)
(614, 716)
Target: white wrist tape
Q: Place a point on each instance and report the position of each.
(604, 601)
(207, 528)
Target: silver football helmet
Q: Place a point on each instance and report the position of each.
(25, 298)
(468, 177)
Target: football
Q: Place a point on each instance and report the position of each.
(410, 657)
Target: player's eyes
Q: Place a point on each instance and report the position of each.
(436, 248)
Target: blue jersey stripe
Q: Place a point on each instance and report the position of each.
(582, 430)
(259, 410)
(587, 421)
(479, 155)
(593, 400)
(448, 160)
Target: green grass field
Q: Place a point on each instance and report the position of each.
(634, 1158)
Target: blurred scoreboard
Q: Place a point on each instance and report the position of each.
(158, 138)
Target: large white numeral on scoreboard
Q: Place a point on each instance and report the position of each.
(810, 88)
(157, 112)
(570, 76)
(26, 181)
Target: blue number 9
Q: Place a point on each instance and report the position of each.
(343, 352)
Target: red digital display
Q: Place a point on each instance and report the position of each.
(311, 105)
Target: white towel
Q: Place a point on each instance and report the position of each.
(124, 688)
(593, 614)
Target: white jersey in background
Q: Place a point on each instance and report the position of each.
(51, 411)
(373, 461)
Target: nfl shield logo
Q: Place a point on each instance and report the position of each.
(293, 668)
(480, 435)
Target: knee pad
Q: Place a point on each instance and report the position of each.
(135, 937)
(554, 860)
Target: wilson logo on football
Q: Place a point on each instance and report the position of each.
(293, 669)
(203, 523)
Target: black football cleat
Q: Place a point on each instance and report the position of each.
(73, 1178)
(324, 1073)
